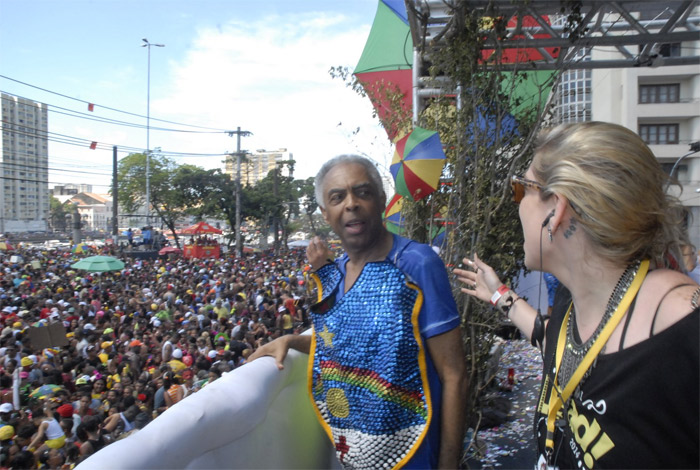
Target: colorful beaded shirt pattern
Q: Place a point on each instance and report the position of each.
(367, 379)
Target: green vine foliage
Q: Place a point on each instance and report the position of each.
(487, 128)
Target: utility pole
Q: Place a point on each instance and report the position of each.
(115, 196)
(148, 45)
(275, 219)
(238, 132)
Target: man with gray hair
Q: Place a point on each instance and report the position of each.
(388, 372)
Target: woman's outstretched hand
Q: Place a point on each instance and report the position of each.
(480, 280)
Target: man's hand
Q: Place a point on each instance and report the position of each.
(278, 348)
(318, 253)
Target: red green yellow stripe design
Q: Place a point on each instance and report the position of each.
(368, 379)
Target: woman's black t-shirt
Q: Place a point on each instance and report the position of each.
(639, 408)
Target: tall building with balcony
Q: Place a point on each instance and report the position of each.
(257, 165)
(660, 103)
(24, 161)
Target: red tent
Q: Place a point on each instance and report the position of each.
(200, 227)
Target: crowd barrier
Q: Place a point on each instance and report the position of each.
(255, 416)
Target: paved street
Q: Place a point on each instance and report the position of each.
(511, 445)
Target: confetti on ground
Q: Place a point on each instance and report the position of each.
(511, 444)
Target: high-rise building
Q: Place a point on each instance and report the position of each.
(24, 161)
(256, 165)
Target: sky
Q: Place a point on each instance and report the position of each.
(261, 65)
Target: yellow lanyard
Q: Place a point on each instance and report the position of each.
(556, 400)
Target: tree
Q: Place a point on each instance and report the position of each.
(288, 193)
(166, 199)
(273, 198)
(57, 214)
(210, 193)
(307, 199)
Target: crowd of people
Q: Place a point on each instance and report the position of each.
(203, 240)
(132, 343)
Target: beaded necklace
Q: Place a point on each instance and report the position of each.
(575, 351)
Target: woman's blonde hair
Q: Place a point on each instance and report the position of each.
(615, 186)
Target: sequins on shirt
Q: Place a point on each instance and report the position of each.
(367, 383)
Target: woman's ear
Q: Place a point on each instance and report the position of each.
(561, 205)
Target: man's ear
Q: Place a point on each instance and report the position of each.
(324, 213)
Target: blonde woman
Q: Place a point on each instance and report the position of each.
(621, 370)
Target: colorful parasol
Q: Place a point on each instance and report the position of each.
(167, 250)
(385, 67)
(99, 264)
(200, 227)
(44, 391)
(4, 246)
(392, 215)
(417, 163)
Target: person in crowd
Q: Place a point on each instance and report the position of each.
(173, 389)
(284, 320)
(621, 368)
(176, 364)
(90, 436)
(52, 459)
(5, 389)
(50, 434)
(23, 459)
(382, 283)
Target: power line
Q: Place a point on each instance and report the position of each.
(91, 117)
(82, 142)
(29, 180)
(109, 108)
(46, 168)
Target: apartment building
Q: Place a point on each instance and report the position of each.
(257, 165)
(661, 103)
(24, 161)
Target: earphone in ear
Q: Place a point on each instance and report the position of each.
(547, 219)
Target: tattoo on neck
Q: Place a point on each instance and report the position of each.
(572, 228)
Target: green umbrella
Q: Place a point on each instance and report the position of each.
(99, 264)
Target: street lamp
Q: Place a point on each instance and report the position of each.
(694, 148)
(148, 129)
